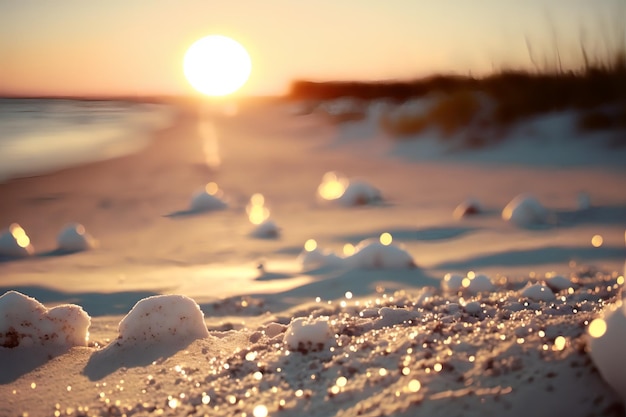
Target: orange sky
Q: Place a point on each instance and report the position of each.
(136, 47)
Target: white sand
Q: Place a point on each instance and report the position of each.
(477, 353)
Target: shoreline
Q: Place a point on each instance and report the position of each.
(83, 193)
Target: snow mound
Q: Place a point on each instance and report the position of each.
(74, 238)
(208, 199)
(306, 334)
(538, 292)
(312, 257)
(163, 318)
(338, 189)
(467, 208)
(607, 344)
(15, 243)
(374, 254)
(25, 322)
(525, 210)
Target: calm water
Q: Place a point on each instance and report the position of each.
(42, 135)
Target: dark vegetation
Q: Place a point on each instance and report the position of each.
(597, 90)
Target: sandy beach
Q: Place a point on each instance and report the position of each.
(503, 358)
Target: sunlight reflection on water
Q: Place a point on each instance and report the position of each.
(210, 144)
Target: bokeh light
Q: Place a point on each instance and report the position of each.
(386, 239)
(597, 241)
(332, 187)
(597, 328)
(310, 245)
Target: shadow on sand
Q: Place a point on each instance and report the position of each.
(601, 215)
(333, 283)
(94, 303)
(115, 356)
(537, 256)
(189, 213)
(410, 234)
(47, 254)
(20, 361)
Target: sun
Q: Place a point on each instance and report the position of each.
(217, 65)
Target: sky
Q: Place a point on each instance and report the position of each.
(136, 47)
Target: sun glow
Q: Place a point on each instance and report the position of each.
(217, 65)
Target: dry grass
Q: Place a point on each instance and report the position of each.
(518, 94)
(598, 84)
(402, 126)
(454, 112)
(450, 113)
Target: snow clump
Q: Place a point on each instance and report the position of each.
(467, 208)
(359, 193)
(24, 322)
(74, 238)
(163, 318)
(15, 243)
(557, 282)
(607, 344)
(337, 188)
(452, 282)
(306, 334)
(266, 230)
(476, 283)
(524, 211)
(380, 254)
(208, 199)
(538, 292)
(312, 257)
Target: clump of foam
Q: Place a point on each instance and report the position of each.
(359, 193)
(452, 282)
(469, 207)
(259, 215)
(15, 243)
(74, 238)
(368, 254)
(476, 283)
(338, 189)
(24, 322)
(557, 282)
(208, 199)
(313, 257)
(390, 316)
(607, 344)
(380, 254)
(266, 230)
(525, 210)
(163, 318)
(308, 334)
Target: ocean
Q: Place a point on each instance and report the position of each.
(43, 135)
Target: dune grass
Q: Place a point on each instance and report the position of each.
(449, 114)
(516, 94)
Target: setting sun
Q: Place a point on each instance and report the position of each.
(217, 65)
